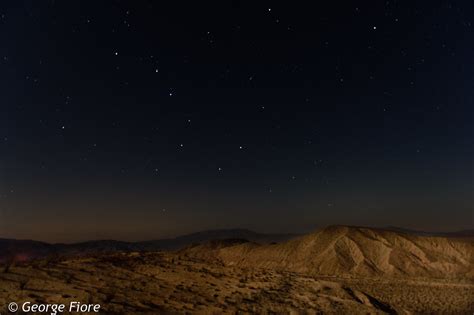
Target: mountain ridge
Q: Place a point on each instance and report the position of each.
(354, 251)
(24, 250)
(333, 250)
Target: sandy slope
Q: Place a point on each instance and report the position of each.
(353, 251)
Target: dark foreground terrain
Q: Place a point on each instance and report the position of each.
(341, 270)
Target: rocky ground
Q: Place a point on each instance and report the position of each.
(165, 282)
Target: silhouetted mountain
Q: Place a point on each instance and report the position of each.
(462, 233)
(100, 246)
(23, 250)
(204, 236)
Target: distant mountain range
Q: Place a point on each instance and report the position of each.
(25, 250)
(462, 233)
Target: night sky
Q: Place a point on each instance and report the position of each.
(137, 120)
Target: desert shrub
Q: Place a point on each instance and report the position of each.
(8, 264)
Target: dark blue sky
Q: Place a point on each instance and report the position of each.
(135, 120)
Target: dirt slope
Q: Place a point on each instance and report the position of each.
(353, 251)
(164, 283)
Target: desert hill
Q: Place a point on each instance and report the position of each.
(336, 270)
(335, 250)
(353, 251)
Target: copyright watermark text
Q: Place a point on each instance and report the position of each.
(53, 309)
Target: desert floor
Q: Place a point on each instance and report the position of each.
(167, 283)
